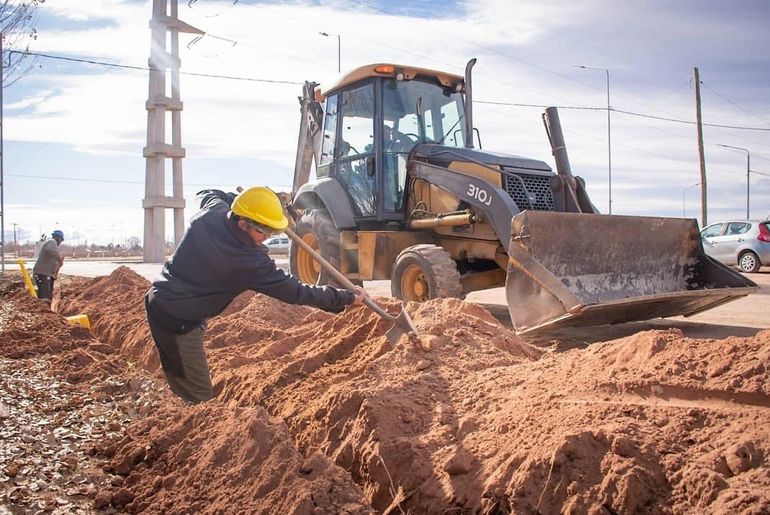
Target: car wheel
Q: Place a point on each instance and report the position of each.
(749, 262)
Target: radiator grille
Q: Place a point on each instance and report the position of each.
(536, 196)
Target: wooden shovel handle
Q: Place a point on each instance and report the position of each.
(328, 266)
(336, 274)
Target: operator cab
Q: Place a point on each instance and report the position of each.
(374, 117)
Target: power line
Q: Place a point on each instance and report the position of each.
(689, 122)
(114, 181)
(731, 102)
(512, 104)
(540, 106)
(148, 68)
(80, 179)
(630, 113)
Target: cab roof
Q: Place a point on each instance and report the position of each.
(449, 80)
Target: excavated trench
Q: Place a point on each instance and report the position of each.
(316, 413)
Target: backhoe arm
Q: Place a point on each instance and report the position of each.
(309, 141)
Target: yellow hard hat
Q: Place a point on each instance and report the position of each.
(260, 205)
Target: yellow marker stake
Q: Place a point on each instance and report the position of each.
(27, 279)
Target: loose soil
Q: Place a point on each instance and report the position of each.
(317, 413)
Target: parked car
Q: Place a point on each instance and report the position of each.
(745, 243)
(278, 244)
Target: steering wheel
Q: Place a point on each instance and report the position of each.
(414, 137)
(403, 141)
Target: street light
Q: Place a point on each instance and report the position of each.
(748, 171)
(339, 50)
(684, 215)
(609, 139)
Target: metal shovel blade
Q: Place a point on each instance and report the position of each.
(402, 324)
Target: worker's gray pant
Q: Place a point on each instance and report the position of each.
(184, 363)
(44, 287)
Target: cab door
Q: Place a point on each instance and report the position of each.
(354, 163)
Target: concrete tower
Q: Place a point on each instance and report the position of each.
(163, 99)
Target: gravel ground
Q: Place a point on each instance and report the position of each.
(53, 435)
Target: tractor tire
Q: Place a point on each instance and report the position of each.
(317, 230)
(749, 262)
(423, 272)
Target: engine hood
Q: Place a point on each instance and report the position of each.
(441, 154)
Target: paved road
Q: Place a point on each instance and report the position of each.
(94, 268)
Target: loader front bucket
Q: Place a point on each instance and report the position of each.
(570, 269)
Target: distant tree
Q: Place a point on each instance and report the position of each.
(17, 27)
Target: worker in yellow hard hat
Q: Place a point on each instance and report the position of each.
(221, 255)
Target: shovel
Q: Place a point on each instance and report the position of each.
(402, 323)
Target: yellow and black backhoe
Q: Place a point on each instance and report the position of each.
(400, 193)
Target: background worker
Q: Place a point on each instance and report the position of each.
(47, 266)
(221, 255)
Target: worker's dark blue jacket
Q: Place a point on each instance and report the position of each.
(216, 261)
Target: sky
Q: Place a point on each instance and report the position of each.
(73, 132)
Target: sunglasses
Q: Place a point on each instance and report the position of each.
(264, 229)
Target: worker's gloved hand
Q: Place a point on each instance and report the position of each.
(360, 296)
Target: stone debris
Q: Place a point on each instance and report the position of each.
(52, 434)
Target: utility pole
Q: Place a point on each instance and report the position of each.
(701, 155)
(2, 157)
(164, 61)
(15, 245)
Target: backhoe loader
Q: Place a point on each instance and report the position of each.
(401, 193)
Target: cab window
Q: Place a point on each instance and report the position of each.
(329, 133)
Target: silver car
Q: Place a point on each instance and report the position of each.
(745, 243)
(278, 244)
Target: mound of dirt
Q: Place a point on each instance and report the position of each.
(28, 327)
(220, 459)
(115, 306)
(467, 417)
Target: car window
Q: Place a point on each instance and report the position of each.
(712, 230)
(737, 228)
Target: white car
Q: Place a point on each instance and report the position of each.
(745, 243)
(278, 244)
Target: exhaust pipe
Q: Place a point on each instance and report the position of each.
(559, 151)
(469, 104)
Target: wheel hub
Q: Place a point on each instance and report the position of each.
(414, 284)
(308, 268)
